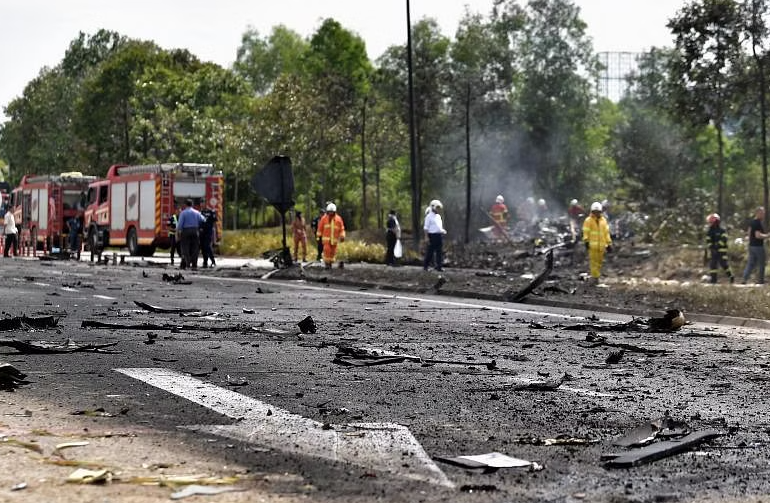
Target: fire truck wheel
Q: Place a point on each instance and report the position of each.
(132, 242)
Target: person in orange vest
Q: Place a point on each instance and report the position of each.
(300, 236)
(331, 231)
(596, 236)
(499, 213)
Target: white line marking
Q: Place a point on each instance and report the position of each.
(399, 297)
(105, 297)
(379, 446)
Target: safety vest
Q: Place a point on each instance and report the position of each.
(596, 232)
(331, 229)
(499, 212)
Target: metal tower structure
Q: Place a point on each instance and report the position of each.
(616, 66)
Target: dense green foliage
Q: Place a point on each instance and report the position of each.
(507, 105)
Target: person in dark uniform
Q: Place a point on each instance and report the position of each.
(172, 224)
(188, 225)
(716, 249)
(314, 226)
(207, 236)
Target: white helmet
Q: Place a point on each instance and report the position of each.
(331, 207)
(596, 206)
(574, 202)
(531, 200)
(436, 204)
(500, 199)
(541, 202)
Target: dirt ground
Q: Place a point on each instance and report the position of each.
(638, 278)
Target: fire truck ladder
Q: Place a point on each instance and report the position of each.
(166, 201)
(182, 167)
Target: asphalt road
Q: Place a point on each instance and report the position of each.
(417, 379)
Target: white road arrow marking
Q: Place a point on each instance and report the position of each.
(386, 447)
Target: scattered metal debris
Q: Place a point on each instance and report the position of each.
(25, 322)
(492, 460)
(177, 279)
(308, 325)
(167, 310)
(518, 296)
(671, 321)
(11, 377)
(198, 490)
(99, 412)
(646, 433)
(19, 486)
(658, 450)
(599, 341)
(476, 488)
(615, 356)
(558, 440)
(84, 476)
(69, 346)
(366, 357)
(31, 446)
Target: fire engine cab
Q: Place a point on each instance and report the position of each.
(43, 205)
(131, 207)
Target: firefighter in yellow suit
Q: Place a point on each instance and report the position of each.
(596, 236)
(331, 230)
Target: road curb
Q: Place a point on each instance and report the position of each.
(534, 301)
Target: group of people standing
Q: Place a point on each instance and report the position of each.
(193, 232)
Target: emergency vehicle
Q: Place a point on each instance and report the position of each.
(42, 206)
(132, 205)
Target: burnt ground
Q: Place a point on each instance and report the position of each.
(638, 279)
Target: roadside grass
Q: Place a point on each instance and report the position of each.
(677, 278)
(357, 247)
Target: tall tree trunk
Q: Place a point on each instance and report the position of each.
(364, 209)
(468, 164)
(235, 203)
(762, 103)
(720, 169)
(416, 213)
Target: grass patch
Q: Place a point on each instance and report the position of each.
(357, 247)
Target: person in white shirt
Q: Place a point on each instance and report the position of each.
(434, 233)
(11, 234)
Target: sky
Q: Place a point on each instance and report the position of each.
(36, 33)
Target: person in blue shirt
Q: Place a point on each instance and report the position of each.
(188, 225)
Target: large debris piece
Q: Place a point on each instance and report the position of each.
(167, 310)
(658, 450)
(518, 296)
(26, 322)
(646, 433)
(45, 347)
(11, 377)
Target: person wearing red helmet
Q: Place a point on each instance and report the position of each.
(716, 249)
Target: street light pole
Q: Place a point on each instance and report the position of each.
(412, 135)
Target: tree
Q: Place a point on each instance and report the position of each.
(552, 92)
(708, 43)
(262, 61)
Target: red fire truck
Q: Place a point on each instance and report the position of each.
(132, 205)
(42, 206)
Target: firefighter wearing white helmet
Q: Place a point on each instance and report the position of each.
(596, 236)
(715, 254)
(331, 232)
(499, 214)
(434, 234)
